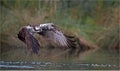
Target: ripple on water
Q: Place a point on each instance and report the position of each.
(52, 65)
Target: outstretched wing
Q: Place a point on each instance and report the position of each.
(29, 39)
(54, 34)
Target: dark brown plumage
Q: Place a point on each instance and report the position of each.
(25, 36)
(49, 31)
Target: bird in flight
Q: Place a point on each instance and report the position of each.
(48, 30)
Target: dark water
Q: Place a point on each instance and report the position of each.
(53, 65)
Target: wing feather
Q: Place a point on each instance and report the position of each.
(32, 42)
(56, 36)
(29, 39)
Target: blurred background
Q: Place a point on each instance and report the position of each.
(98, 21)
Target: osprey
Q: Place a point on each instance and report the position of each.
(49, 31)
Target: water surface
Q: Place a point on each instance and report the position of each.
(53, 65)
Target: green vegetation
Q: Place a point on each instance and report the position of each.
(97, 21)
